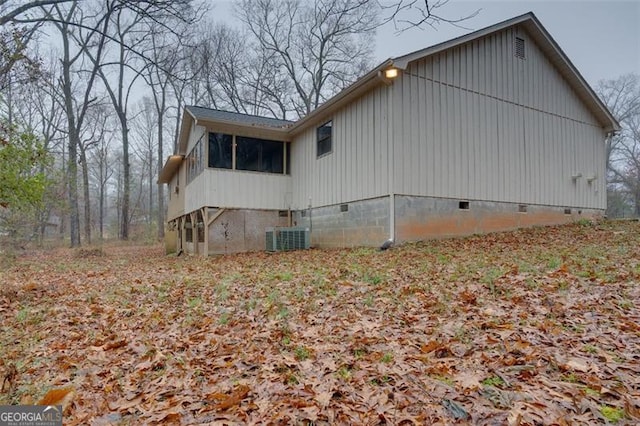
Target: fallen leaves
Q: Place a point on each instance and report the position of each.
(228, 401)
(530, 327)
(61, 396)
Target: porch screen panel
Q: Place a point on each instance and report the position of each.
(259, 155)
(220, 150)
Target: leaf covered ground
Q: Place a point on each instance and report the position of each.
(538, 326)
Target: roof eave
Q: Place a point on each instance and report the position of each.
(355, 90)
(183, 139)
(169, 169)
(580, 85)
(279, 133)
(403, 61)
(532, 24)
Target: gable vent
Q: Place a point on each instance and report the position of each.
(519, 47)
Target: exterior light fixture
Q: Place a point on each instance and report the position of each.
(391, 73)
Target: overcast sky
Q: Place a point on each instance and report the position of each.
(601, 38)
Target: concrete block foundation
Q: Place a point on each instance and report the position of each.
(419, 218)
(367, 222)
(359, 223)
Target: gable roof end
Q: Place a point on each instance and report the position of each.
(547, 44)
(528, 21)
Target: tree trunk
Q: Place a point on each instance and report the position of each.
(61, 227)
(73, 142)
(160, 217)
(72, 170)
(119, 199)
(150, 212)
(87, 203)
(126, 184)
(101, 200)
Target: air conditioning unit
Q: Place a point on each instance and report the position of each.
(284, 239)
(272, 240)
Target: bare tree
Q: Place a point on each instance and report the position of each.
(92, 136)
(322, 46)
(144, 148)
(119, 89)
(76, 101)
(101, 171)
(625, 171)
(12, 10)
(622, 96)
(409, 14)
(161, 76)
(129, 26)
(186, 87)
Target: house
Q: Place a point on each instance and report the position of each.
(490, 131)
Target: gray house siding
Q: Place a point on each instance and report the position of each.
(476, 122)
(469, 138)
(357, 168)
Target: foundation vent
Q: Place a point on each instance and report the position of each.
(285, 239)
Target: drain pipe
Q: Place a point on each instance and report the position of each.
(392, 217)
(391, 165)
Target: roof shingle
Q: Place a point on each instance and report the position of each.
(201, 113)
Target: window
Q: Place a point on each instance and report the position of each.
(259, 155)
(463, 205)
(324, 138)
(220, 151)
(195, 160)
(252, 154)
(519, 47)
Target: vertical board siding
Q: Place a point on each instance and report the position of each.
(476, 122)
(357, 167)
(238, 189)
(175, 207)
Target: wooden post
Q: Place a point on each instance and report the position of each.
(181, 229)
(194, 227)
(205, 224)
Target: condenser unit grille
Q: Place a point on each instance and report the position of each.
(284, 239)
(272, 242)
